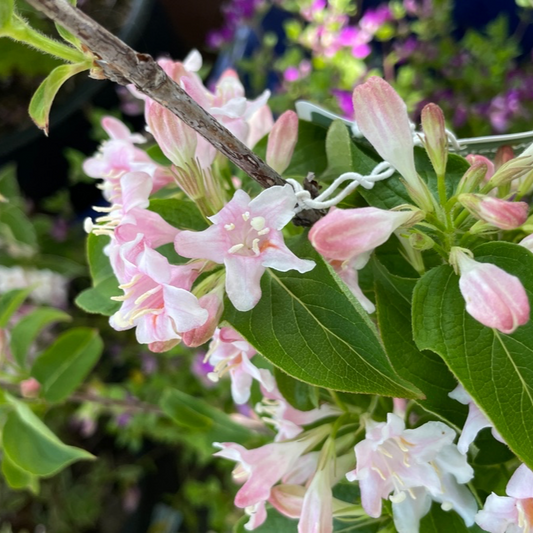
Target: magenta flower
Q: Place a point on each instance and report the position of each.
(475, 422)
(246, 237)
(411, 467)
(493, 297)
(512, 513)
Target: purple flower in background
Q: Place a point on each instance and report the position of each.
(201, 367)
(373, 19)
(344, 101)
(291, 74)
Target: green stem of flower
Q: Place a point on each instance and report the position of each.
(441, 186)
(19, 30)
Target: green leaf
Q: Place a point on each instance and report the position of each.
(9, 187)
(339, 150)
(424, 369)
(66, 34)
(157, 155)
(439, 521)
(17, 478)
(10, 302)
(275, 523)
(105, 285)
(495, 369)
(299, 394)
(313, 328)
(182, 214)
(27, 329)
(309, 154)
(17, 226)
(65, 364)
(32, 447)
(6, 12)
(195, 414)
(43, 98)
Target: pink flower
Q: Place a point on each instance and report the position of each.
(512, 513)
(288, 420)
(475, 158)
(503, 214)
(282, 141)
(229, 352)
(246, 237)
(475, 422)
(345, 234)
(415, 466)
(263, 467)
(493, 297)
(157, 301)
(381, 116)
(212, 303)
(29, 388)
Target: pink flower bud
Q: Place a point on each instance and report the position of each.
(473, 177)
(475, 159)
(493, 297)
(503, 154)
(29, 388)
(281, 141)
(163, 346)
(381, 115)
(500, 213)
(436, 142)
(198, 336)
(175, 138)
(346, 233)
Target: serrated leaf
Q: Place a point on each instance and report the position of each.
(182, 214)
(27, 329)
(313, 328)
(43, 98)
(65, 364)
(424, 369)
(198, 415)
(10, 302)
(17, 478)
(495, 369)
(32, 447)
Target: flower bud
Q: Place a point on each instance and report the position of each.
(29, 388)
(174, 137)
(503, 154)
(282, 141)
(421, 241)
(500, 213)
(472, 177)
(475, 158)
(493, 297)
(163, 346)
(381, 116)
(198, 336)
(510, 171)
(436, 141)
(346, 233)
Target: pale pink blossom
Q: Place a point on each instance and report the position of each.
(475, 422)
(260, 469)
(246, 237)
(286, 419)
(212, 303)
(512, 513)
(29, 388)
(436, 139)
(156, 300)
(475, 158)
(282, 141)
(381, 116)
(411, 467)
(229, 352)
(493, 297)
(503, 214)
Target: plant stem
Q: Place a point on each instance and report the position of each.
(22, 32)
(123, 65)
(441, 186)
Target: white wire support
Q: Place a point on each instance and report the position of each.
(324, 200)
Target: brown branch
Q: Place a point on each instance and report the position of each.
(122, 64)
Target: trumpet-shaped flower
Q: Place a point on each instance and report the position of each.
(246, 237)
(512, 513)
(260, 469)
(493, 297)
(475, 422)
(411, 467)
(229, 352)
